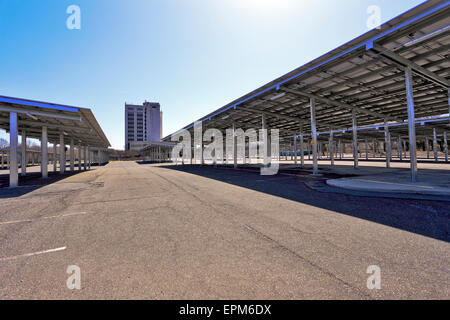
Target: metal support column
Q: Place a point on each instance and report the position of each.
(13, 137)
(80, 151)
(331, 147)
(159, 155)
(295, 150)
(235, 147)
(86, 150)
(44, 153)
(411, 124)
(55, 148)
(445, 146)
(72, 153)
(264, 140)
(367, 149)
(302, 152)
(387, 143)
(23, 161)
(355, 140)
(404, 149)
(62, 154)
(314, 136)
(435, 145)
(319, 150)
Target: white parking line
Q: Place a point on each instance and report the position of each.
(50, 217)
(33, 254)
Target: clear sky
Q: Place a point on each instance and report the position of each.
(192, 56)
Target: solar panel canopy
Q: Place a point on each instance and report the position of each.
(364, 77)
(73, 122)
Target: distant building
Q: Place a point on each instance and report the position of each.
(143, 124)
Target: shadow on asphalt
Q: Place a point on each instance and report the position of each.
(425, 217)
(151, 162)
(32, 181)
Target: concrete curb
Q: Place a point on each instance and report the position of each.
(381, 187)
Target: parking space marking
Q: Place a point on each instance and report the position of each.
(43, 218)
(33, 254)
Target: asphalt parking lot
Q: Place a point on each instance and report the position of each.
(179, 232)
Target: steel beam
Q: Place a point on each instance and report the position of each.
(411, 66)
(55, 126)
(267, 113)
(340, 104)
(39, 113)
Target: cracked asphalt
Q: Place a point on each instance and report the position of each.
(143, 231)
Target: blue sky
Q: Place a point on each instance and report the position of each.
(192, 56)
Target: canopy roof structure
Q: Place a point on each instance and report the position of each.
(362, 80)
(74, 122)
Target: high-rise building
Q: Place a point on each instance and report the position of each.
(143, 123)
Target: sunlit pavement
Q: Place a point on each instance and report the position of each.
(166, 232)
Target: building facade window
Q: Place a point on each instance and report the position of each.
(142, 123)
